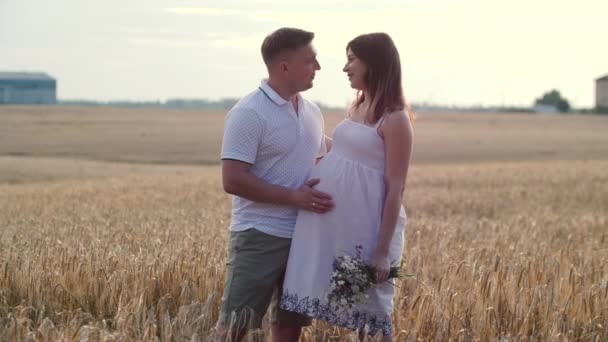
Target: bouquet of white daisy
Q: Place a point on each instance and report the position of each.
(351, 279)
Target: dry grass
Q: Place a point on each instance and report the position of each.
(515, 250)
(27, 170)
(194, 136)
(502, 250)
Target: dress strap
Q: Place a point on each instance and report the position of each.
(381, 120)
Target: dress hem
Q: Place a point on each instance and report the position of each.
(351, 319)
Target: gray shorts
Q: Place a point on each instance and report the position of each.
(254, 279)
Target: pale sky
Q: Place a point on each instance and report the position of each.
(453, 52)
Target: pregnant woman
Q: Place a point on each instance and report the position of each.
(365, 173)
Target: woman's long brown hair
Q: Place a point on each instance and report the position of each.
(383, 79)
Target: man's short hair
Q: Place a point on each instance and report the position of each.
(284, 39)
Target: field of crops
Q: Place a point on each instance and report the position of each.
(113, 227)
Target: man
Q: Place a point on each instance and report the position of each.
(272, 139)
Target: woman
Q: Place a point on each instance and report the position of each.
(365, 174)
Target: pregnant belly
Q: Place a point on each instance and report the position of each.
(347, 182)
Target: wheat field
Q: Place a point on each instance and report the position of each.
(107, 233)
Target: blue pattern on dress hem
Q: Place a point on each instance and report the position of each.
(352, 319)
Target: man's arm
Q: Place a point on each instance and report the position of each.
(328, 143)
(239, 181)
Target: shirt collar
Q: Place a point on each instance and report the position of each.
(271, 94)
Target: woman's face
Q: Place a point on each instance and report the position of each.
(356, 70)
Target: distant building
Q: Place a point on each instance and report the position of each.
(601, 93)
(27, 88)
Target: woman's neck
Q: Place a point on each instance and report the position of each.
(366, 107)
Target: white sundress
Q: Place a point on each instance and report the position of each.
(353, 174)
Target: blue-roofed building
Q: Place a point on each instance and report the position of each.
(27, 88)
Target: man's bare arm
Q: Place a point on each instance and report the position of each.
(328, 143)
(238, 180)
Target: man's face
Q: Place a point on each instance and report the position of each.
(302, 65)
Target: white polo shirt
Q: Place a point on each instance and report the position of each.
(264, 130)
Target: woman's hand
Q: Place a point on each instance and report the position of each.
(381, 265)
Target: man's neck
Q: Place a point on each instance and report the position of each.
(282, 90)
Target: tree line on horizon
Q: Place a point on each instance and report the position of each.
(552, 98)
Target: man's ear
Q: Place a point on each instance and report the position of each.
(283, 66)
